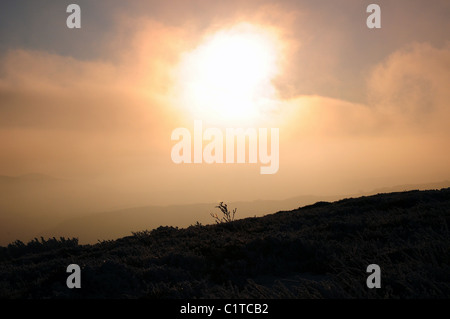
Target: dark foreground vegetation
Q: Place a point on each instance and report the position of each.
(318, 251)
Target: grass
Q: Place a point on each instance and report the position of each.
(317, 251)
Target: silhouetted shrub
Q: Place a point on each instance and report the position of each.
(227, 216)
(18, 248)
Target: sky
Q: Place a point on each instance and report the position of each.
(356, 108)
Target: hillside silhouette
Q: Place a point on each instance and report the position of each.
(35, 205)
(316, 251)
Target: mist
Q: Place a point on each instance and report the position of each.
(356, 111)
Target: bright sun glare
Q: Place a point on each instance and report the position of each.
(228, 77)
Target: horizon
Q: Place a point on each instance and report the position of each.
(123, 219)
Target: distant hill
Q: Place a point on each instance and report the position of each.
(31, 177)
(317, 251)
(92, 227)
(407, 187)
(34, 205)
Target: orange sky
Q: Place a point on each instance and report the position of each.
(356, 108)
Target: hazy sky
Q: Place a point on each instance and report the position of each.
(356, 108)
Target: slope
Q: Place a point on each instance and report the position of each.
(317, 251)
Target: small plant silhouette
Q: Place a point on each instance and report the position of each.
(228, 216)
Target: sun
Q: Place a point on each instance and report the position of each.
(229, 76)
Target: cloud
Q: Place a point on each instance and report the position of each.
(411, 87)
(407, 93)
(87, 114)
(61, 115)
(401, 134)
